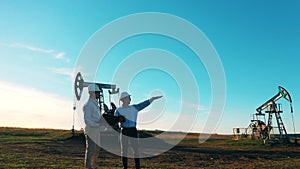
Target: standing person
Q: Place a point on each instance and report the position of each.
(92, 117)
(129, 133)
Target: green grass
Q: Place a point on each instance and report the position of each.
(35, 148)
(47, 148)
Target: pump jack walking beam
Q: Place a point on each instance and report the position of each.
(281, 94)
(80, 84)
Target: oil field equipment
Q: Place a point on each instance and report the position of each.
(108, 114)
(258, 128)
(275, 109)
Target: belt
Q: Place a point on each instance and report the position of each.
(128, 128)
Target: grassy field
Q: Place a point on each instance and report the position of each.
(47, 148)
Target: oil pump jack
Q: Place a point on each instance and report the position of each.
(107, 114)
(273, 108)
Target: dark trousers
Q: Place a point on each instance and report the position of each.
(129, 137)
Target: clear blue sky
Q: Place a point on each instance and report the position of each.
(40, 42)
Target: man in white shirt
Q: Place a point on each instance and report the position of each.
(92, 118)
(129, 132)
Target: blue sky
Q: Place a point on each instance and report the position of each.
(40, 43)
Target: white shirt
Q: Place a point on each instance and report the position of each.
(92, 116)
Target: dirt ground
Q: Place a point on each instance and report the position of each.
(29, 148)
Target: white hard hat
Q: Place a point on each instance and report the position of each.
(93, 88)
(123, 95)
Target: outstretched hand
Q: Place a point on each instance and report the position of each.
(155, 97)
